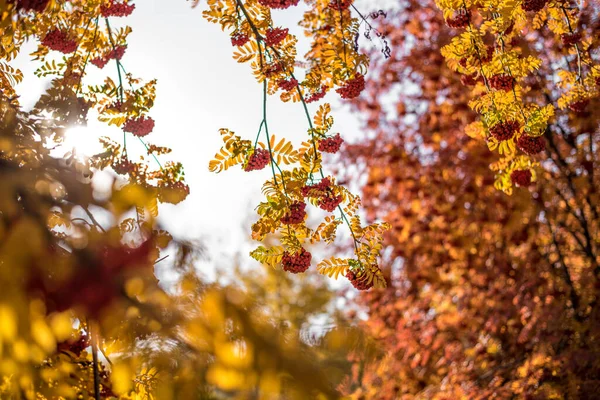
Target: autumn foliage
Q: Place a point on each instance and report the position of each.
(473, 250)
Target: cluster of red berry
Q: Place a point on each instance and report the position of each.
(331, 144)
(461, 19)
(530, 145)
(273, 69)
(239, 39)
(358, 281)
(115, 54)
(316, 96)
(340, 5)
(287, 85)
(280, 4)
(323, 191)
(297, 262)
(504, 130)
(258, 160)
(95, 284)
(275, 36)
(140, 126)
(569, 39)
(59, 40)
(469, 80)
(352, 87)
(116, 9)
(502, 82)
(123, 166)
(296, 213)
(579, 106)
(521, 177)
(32, 5)
(533, 5)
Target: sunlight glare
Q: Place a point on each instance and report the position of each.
(82, 140)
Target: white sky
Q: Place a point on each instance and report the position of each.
(200, 89)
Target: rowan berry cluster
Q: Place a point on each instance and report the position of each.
(340, 5)
(123, 166)
(258, 160)
(323, 191)
(579, 106)
(521, 177)
(32, 5)
(316, 96)
(275, 36)
(331, 144)
(239, 39)
(459, 20)
(115, 54)
(287, 85)
(297, 262)
(502, 82)
(358, 281)
(273, 69)
(533, 5)
(116, 9)
(280, 4)
(139, 126)
(569, 39)
(504, 130)
(352, 87)
(530, 145)
(469, 80)
(296, 214)
(59, 40)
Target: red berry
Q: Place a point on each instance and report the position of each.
(530, 145)
(273, 69)
(275, 36)
(117, 52)
(579, 106)
(139, 126)
(258, 160)
(504, 130)
(352, 87)
(296, 214)
(569, 39)
(502, 82)
(59, 40)
(123, 166)
(340, 5)
(316, 190)
(330, 202)
(239, 39)
(331, 144)
(281, 4)
(460, 19)
(533, 5)
(358, 280)
(468, 80)
(32, 5)
(116, 9)
(288, 85)
(297, 262)
(99, 62)
(521, 177)
(316, 96)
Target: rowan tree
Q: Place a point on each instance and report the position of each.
(490, 295)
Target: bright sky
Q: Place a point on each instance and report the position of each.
(200, 89)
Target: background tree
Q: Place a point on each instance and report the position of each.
(490, 296)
